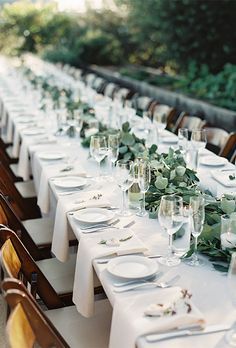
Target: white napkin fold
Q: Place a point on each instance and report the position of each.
(222, 176)
(47, 173)
(130, 324)
(90, 249)
(61, 234)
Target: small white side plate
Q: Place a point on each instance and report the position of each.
(213, 161)
(93, 215)
(70, 182)
(132, 267)
(50, 156)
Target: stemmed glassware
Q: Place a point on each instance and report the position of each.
(98, 149)
(124, 174)
(198, 141)
(113, 145)
(144, 178)
(170, 217)
(197, 218)
(183, 140)
(231, 334)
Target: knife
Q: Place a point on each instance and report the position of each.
(187, 332)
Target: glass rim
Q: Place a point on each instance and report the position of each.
(170, 197)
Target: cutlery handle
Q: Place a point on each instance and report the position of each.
(136, 286)
(168, 335)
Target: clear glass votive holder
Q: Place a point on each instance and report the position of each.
(228, 232)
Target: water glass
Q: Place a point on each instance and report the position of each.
(113, 145)
(144, 178)
(198, 142)
(183, 140)
(197, 218)
(124, 175)
(98, 149)
(170, 217)
(181, 239)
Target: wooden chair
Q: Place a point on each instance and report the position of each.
(216, 138)
(110, 89)
(24, 206)
(141, 103)
(189, 122)
(123, 94)
(99, 84)
(229, 148)
(233, 158)
(50, 279)
(60, 328)
(35, 234)
(160, 111)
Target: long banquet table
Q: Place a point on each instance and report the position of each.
(209, 287)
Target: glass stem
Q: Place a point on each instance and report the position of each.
(170, 245)
(99, 169)
(143, 204)
(195, 255)
(123, 201)
(197, 155)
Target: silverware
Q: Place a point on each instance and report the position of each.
(156, 276)
(154, 284)
(106, 260)
(129, 224)
(192, 331)
(100, 226)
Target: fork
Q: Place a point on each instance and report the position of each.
(111, 224)
(154, 284)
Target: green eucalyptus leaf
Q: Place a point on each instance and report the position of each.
(123, 149)
(228, 206)
(161, 183)
(127, 139)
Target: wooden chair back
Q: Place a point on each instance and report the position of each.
(216, 138)
(28, 324)
(160, 111)
(110, 89)
(189, 122)
(229, 148)
(18, 263)
(9, 218)
(233, 158)
(25, 208)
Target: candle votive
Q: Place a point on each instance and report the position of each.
(228, 234)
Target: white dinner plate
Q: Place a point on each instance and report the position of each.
(70, 182)
(34, 131)
(169, 140)
(26, 119)
(213, 161)
(93, 215)
(132, 267)
(51, 156)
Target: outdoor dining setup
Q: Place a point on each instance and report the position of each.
(117, 215)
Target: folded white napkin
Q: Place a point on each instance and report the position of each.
(61, 234)
(129, 321)
(90, 249)
(49, 172)
(222, 176)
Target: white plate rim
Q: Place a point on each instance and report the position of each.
(46, 156)
(169, 140)
(83, 182)
(139, 259)
(222, 162)
(110, 215)
(34, 132)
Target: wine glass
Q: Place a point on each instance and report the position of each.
(98, 149)
(144, 178)
(113, 145)
(231, 282)
(170, 217)
(198, 141)
(124, 174)
(183, 140)
(197, 218)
